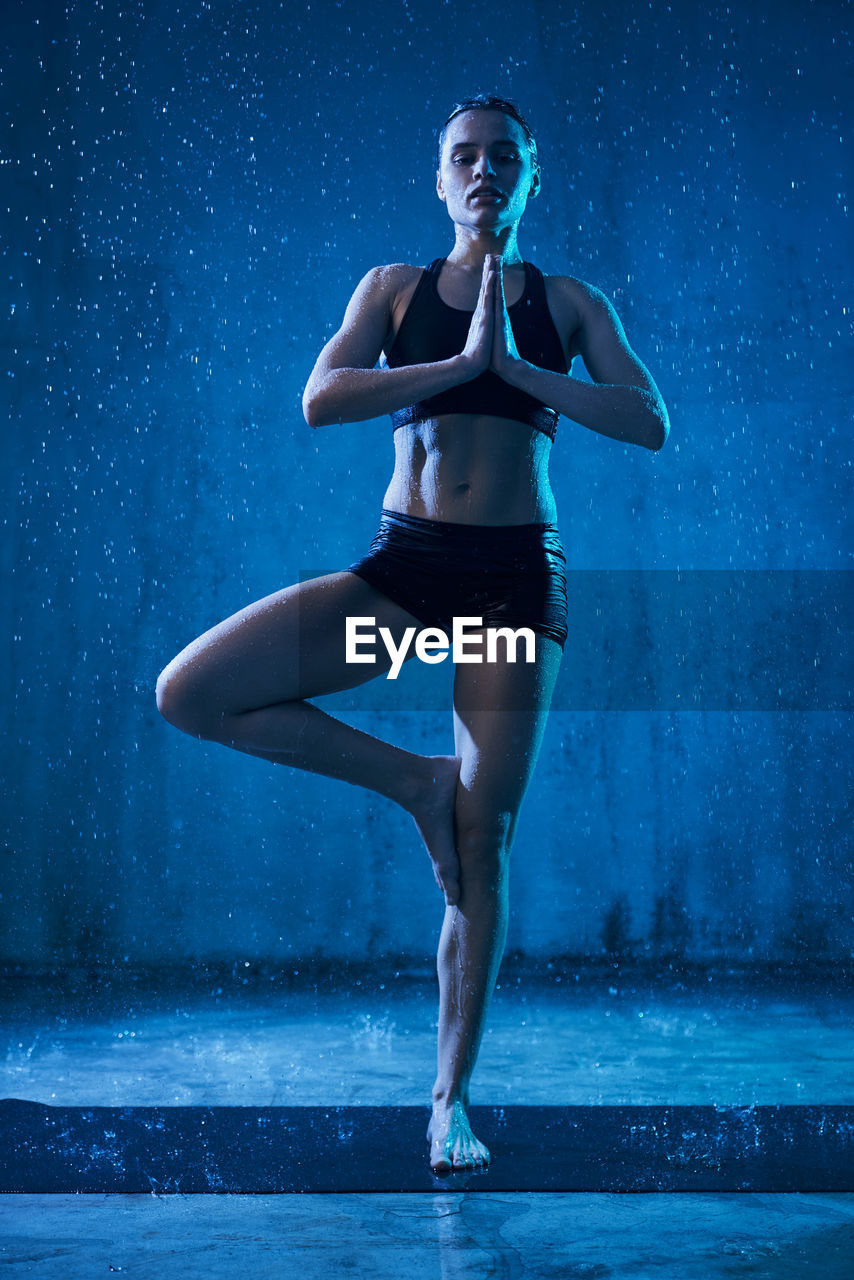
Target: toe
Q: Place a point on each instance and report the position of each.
(463, 1159)
(440, 1161)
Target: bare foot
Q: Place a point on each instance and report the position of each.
(452, 1143)
(432, 807)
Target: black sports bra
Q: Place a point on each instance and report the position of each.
(431, 330)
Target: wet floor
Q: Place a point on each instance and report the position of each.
(439, 1237)
(553, 1042)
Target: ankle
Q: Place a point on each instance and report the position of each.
(414, 788)
(445, 1096)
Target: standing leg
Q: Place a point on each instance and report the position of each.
(500, 712)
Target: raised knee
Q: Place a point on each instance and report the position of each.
(179, 703)
(170, 702)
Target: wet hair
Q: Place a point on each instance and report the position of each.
(489, 102)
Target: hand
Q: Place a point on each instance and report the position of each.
(479, 343)
(504, 350)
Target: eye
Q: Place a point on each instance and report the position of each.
(461, 160)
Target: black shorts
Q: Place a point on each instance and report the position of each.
(510, 575)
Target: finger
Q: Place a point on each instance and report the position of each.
(486, 302)
(493, 293)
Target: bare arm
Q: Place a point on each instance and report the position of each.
(623, 403)
(345, 386)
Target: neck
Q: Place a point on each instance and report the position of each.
(472, 245)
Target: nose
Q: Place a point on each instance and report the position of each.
(483, 167)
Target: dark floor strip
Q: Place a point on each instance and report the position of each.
(260, 1150)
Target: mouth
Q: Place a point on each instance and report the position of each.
(486, 193)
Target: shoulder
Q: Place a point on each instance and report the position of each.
(576, 305)
(394, 287)
(569, 291)
(383, 291)
(381, 298)
(377, 294)
(389, 279)
(571, 303)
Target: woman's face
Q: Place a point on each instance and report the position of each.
(486, 174)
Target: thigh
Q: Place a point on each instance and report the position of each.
(500, 714)
(291, 644)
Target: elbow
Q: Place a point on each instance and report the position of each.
(659, 436)
(312, 409)
(321, 405)
(659, 430)
(309, 412)
(651, 425)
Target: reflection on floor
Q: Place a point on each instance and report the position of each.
(565, 1040)
(430, 1237)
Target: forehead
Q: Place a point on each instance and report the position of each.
(484, 127)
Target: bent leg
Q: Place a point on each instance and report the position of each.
(244, 684)
(500, 713)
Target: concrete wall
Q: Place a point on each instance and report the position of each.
(193, 192)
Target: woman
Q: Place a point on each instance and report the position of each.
(478, 347)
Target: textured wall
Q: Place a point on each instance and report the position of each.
(193, 189)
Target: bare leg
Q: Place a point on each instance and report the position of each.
(244, 684)
(500, 717)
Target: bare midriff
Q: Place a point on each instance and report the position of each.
(469, 469)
